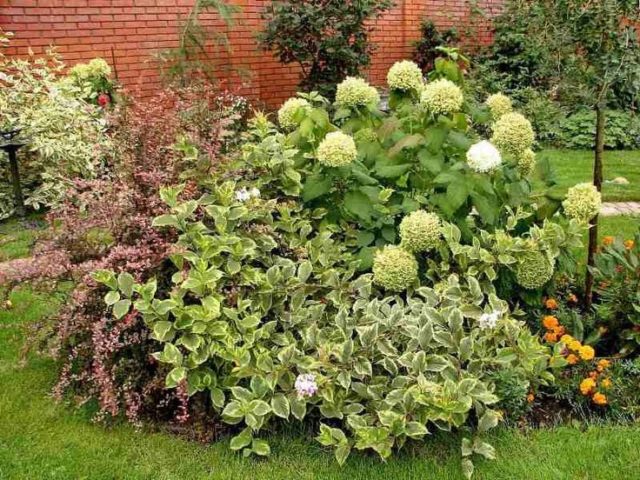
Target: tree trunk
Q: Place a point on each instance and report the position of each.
(597, 181)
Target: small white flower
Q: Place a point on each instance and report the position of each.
(483, 157)
(488, 320)
(254, 192)
(243, 195)
(306, 385)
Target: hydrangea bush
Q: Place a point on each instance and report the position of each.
(348, 269)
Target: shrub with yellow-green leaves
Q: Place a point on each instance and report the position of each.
(66, 135)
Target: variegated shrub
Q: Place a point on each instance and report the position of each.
(266, 316)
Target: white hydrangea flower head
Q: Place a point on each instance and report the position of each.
(483, 157)
(356, 92)
(527, 162)
(288, 110)
(489, 320)
(394, 268)
(306, 385)
(442, 97)
(405, 76)
(420, 231)
(243, 194)
(583, 202)
(534, 270)
(513, 133)
(499, 104)
(337, 149)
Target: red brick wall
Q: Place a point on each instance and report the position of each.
(136, 29)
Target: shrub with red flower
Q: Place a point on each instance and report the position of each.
(104, 100)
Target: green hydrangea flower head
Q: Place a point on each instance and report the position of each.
(534, 270)
(499, 105)
(288, 110)
(366, 135)
(583, 202)
(394, 268)
(356, 92)
(405, 76)
(527, 162)
(442, 97)
(420, 231)
(337, 150)
(513, 133)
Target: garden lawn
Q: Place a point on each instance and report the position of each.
(576, 166)
(44, 440)
(18, 236)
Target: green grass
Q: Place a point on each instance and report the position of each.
(621, 226)
(18, 236)
(575, 166)
(40, 439)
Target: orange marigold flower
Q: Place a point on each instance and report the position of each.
(587, 352)
(550, 322)
(573, 298)
(604, 363)
(572, 359)
(606, 383)
(550, 337)
(551, 304)
(599, 398)
(608, 240)
(587, 385)
(559, 330)
(574, 345)
(629, 244)
(531, 397)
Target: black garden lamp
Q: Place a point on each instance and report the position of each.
(10, 144)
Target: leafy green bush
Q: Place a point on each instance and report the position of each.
(297, 33)
(66, 136)
(425, 49)
(546, 114)
(617, 303)
(622, 130)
